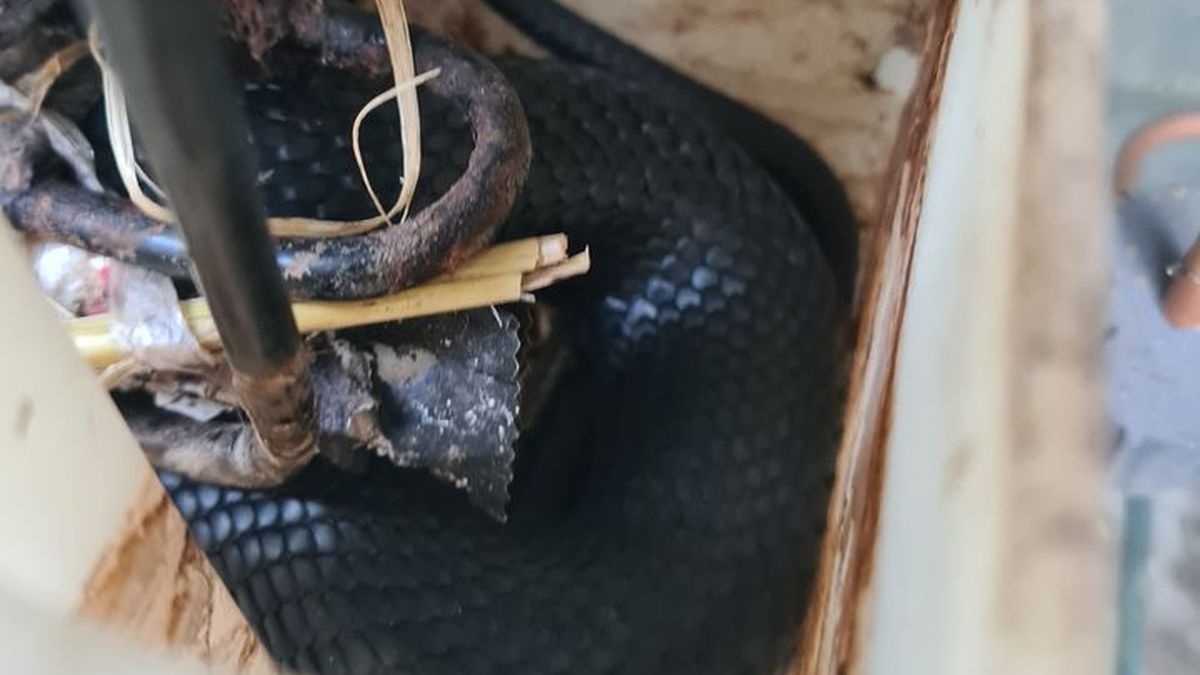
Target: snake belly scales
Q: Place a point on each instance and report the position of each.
(703, 411)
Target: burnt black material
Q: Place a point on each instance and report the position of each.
(707, 333)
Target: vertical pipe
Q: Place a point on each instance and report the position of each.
(183, 100)
(169, 57)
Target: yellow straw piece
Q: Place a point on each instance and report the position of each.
(420, 301)
(504, 273)
(520, 255)
(94, 340)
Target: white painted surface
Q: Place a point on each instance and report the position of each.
(938, 550)
(69, 468)
(34, 642)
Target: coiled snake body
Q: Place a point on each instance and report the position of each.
(702, 421)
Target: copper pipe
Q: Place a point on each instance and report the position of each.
(1148, 139)
(1181, 304)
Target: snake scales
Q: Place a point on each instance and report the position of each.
(695, 434)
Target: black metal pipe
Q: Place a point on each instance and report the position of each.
(182, 99)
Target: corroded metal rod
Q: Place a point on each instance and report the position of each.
(170, 60)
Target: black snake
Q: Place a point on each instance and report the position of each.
(700, 423)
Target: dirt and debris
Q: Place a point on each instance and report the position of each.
(347, 408)
(33, 128)
(260, 24)
(437, 393)
(23, 418)
(397, 367)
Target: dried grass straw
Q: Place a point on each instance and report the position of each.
(399, 44)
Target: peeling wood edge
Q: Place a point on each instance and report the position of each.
(831, 632)
(149, 504)
(180, 607)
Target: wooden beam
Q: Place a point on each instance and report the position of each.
(992, 555)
